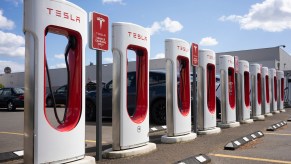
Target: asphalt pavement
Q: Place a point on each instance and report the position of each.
(274, 147)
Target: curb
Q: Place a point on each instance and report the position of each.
(13, 155)
(243, 140)
(201, 158)
(276, 126)
(157, 129)
(289, 119)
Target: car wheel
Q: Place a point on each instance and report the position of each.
(11, 106)
(158, 112)
(49, 102)
(218, 109)
(90, 111)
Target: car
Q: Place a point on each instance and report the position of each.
(11, 98)
(60, 97)
(157, 98)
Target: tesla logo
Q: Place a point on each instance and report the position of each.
(230, 61)
(183, 48)
(195, 48)
(137, 36)
(210, 57)
(101, 20)
(139, 129)
(63, 14)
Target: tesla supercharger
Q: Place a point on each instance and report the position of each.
(280, 89)
(206, 93)
(130, 129)
(273, 90)
(265, 84)
(256, 77)
(228, 95)
(43, 142)
(178, 96)
(243, 99)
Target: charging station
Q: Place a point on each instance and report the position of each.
(256, 78)
(243, 98)
(273, 91)
(228, 95)
(265, 84)
(130, 129)
(206, 93)
(43, 142)
(178, 96)
(280, 84)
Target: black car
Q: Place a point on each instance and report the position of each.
(60, 96)
(11, 98)
(157, 98)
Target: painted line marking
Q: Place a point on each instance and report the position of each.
(13, 133)
(250, 158)
(21, 134)
(279, 134)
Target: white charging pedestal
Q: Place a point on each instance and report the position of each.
(273, 91)
(178, 96)
(206, 93)
(265, 84)
(256, 78)
(130, 129)
(243, 99)
(280, 77)
(228, 98)
(44, 140)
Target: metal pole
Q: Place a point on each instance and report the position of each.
(194, 104)
(99, 88)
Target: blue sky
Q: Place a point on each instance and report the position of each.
(220, 25)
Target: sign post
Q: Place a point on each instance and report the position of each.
(99, 42)
(195, 60)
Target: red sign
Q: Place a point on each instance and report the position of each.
(99, 32)
(236, 64)
(194, 48)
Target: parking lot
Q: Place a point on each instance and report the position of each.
(274, 147)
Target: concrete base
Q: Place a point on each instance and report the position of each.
(177, 139)
(85, 160)
(259, 118)
(109, 153)
(215, 130)
(268, 114)
(228, 125)
(248, 121)
(276, 112)
(282, 110)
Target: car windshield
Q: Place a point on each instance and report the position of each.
(18, 90)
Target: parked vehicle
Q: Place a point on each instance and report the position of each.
(157, 98)
(11, 98)
(60, 97)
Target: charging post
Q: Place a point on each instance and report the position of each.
(99, 42)
(194, 59)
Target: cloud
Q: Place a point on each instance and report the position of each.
(60, 65)
(108, 60)
(270, 15)
(159, 56)
(166, 25)
(113, 1)
(59, 56)
(15, 67)
(11, 45)
(5, 23)
(208, 41)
